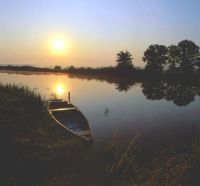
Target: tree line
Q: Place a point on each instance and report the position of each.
(181, 58)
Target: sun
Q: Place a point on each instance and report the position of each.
(59, 44)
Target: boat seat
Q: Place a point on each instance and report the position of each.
(60, 109)
(84, 132)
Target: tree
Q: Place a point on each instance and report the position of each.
(173, 61)
(57, 67)
(155, 58)
(124, 60)
(188, 53)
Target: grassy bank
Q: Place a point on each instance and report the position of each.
(36, 151)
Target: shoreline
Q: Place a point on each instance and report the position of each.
(107, 74)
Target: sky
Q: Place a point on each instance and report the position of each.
(93, 30)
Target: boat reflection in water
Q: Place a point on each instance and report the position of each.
(70, 118)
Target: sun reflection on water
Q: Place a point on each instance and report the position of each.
(60, 90)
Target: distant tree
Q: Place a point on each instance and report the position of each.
(71, 68)
(173, 61)
(57, 67)
(155, 58)
(124, 59)
(188, 53)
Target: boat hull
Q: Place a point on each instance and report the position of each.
(70, 118)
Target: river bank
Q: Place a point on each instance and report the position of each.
(136, 74)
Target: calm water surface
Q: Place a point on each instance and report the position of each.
(119, 114)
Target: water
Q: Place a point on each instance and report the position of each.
(120, 110)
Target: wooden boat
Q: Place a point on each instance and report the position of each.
(70, 117)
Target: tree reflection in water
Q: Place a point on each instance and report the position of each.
(153, 90)
(181, 94)
(124, 85)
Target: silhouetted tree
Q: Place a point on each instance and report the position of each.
(173, 61)
(57, 67)
(71, 68)
(188, 53)
(155, 57)
(124, 59)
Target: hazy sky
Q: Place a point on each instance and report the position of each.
(94, 30)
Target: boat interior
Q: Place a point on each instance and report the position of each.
(72, 119)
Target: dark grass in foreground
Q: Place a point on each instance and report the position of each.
(36, 151)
